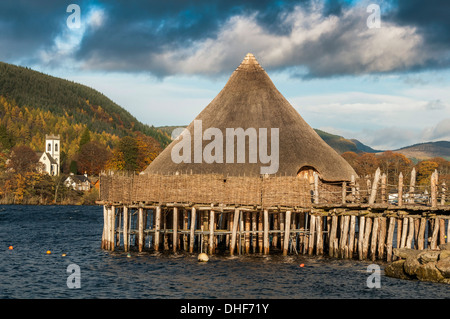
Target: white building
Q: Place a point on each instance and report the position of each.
(50, 158)
(78, 182)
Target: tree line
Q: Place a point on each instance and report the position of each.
(392, 163)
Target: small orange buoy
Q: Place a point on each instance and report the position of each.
(10, 247)
(48, 252)
(302, 265)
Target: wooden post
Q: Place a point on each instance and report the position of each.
(241, 229)
(373, 192)
(175, 229)
(383, 188)
(400, 189)
(276, 226)
(234, 231)
(344, 192)
(211, 232)
(404, 232)
(381, 237)
(367, 233)
(140, 229)
(434, 237)
(282, 227)
(421, 234)
(157, 227)
(410, 233)
(390, 238)
(266, 232)
(192, 230)
(260, 234)
(254, 229)
(126, 243)
(312, 230)
(373, 244)
(185, 228)
(331, 247)
(412, 185)
(399, 232)
(287, 232)
(442, 231)
(351, 238)
(316, 188)
(319, 243)
(112, 227)
(434, 178)
(105, 214)
(353, 185)
(343, 245)
(247, 229)
(443, 195)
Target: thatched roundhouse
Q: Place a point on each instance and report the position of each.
(251, 100)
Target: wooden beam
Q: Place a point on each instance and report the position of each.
(126, 242)
(234, 231)
(266, 232)
(287, 231)
(157, 227)
(211, 232)
(175, 229)
(141, 228)
(192, 233)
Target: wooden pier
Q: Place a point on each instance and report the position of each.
(342, 221)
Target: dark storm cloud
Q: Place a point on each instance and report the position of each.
(138, 35)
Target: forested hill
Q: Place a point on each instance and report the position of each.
(33, 104)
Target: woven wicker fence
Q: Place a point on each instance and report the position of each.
(206, 189)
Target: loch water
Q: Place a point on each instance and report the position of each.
(28, 272)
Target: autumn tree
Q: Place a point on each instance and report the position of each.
(92, 158)
(22, 159)
(392, 164)
(424, 170)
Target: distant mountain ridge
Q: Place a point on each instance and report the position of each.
(341, 145)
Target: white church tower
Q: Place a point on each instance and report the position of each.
(50, 158)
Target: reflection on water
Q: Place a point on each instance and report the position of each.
(28, 272)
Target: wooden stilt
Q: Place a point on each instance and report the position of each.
(276, 226)
(344, 238)
(351, 236)
(421, 234)
(247, 230)
(175, 229)
(260, 233)
(254, 229)
(126, 242)
(287, 231)
(444, 189)
(157, 227)
(434, 237)
(412, 185)
(319, 237)
(331, 246)
(410, 237)
(234, 231)
(105, 222)
(361, 229)
(211, 232)
(140, 229)
(416, 231)
(434, 179)
(373, 192)
(266, 232)
(112, 227)
(373, 243)
(301, 247)
(282, 227)
(399, 232)
(404, 232)
(166, 236)
(381, 237)
(312, 230)
(366, 240)
(192, 230)
(390, 238)
(400, 189)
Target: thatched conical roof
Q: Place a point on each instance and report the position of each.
(250, 100)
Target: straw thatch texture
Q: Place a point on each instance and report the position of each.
(250, 100)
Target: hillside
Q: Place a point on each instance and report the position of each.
(428, 150)
(33, 104)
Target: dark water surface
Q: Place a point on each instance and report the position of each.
(28, 272)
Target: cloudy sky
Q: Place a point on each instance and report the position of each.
(382, 77)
